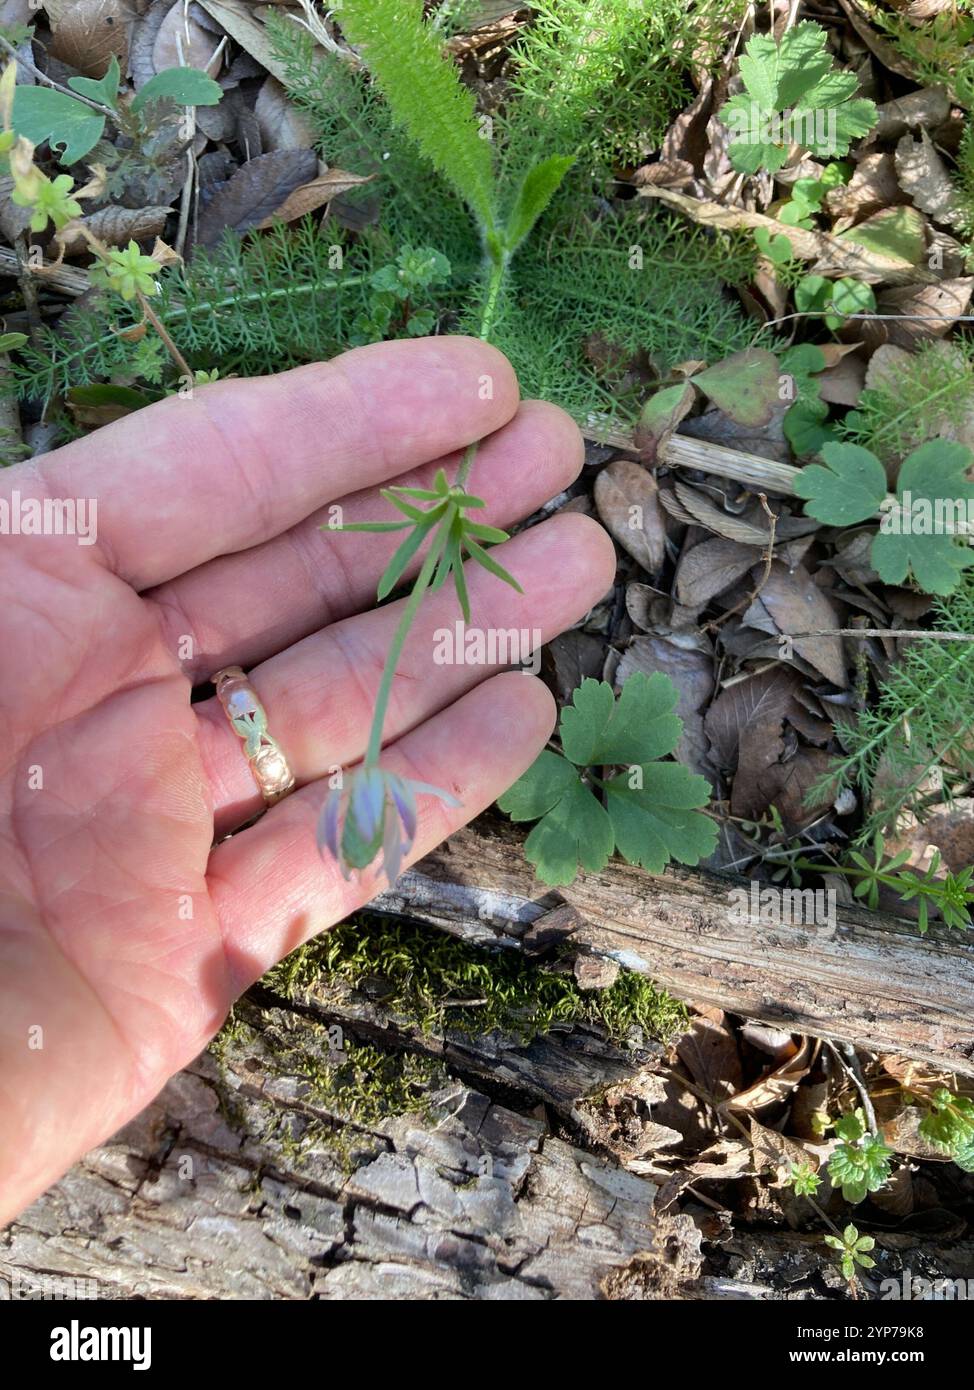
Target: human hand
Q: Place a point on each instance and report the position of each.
(124, 935)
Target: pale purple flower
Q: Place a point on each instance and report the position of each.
(373, 812)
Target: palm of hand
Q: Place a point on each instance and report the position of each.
(124, 937)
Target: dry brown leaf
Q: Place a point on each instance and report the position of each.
(778, 1151)
(255, 191)
(948, 831)
(282, 125)
(766, 440)
(116, 226)
(85, 34)
(627, 502)
(571, 658)
(759, 750)
(245, 28)
(675, 173)
(182, 42)
(842, 384)
(13, 218)
(764, 698)
(709, 569)
(311, 196)
(144, 32)
(923, 311)
(686, 139)
(791, 602)
(714, 518)
(896, 1197)
(928, 107)
(777, 1085)
(886, 52)
(709, 1052)
(874, 185)
(16, 12)
(924, 176)
(830, 254)
(788, 786)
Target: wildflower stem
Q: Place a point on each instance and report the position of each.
(180, 361)
(395, 651)
(440, 539)
(486, 328)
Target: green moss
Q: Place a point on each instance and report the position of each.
(440, 983)
(358, 1084)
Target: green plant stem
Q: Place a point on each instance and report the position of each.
(185, 369)
(436, 549)
(486, 328)
(7, 47)
(398, 641)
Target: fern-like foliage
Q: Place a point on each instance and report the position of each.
(259, 306)
(277, 299)
(940, 49)
(921, 723)
(586, 292)
(925, 395)
(436, 111)
(964, 184)
(602, 78)
(356, 131)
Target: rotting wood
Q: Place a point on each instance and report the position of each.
(226, 1187)
(871, 980)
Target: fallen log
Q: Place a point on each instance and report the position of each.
(869, 979)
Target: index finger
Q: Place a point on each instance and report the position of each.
(241, 461)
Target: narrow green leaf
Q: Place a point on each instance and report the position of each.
(184, 86)
(397, 565)
(488, 562)
(538, 187)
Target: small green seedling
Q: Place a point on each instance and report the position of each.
(75, 125)
(950, 1126)
(862, 1162)
(793, 97)
(853, 1250)
(835, 300)
(803, 1180)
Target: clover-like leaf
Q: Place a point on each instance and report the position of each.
(656, 820)
(919, 536)
(848, 490)
(184, 86)
(573, 827)
(650, 814)
(598, 730)
(40, 114)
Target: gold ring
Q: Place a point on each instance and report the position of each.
(248, 718)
